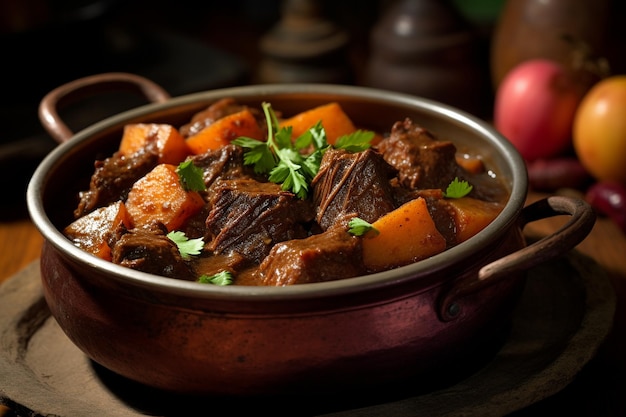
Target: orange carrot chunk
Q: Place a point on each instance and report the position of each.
(170, 144)
(91, 232)
(473, 165)
(335, 121)
(406, 234)
(159, 196)
(224, 130)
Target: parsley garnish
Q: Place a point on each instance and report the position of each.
(221, 278)
(359, 227)
(355, 142)
(187, 247)
(190, 176)
(286, 160)
(457, 189)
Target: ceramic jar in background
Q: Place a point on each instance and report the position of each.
(304, 47)
(427, 48)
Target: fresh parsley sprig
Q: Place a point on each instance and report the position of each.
(187, 247)
(457, 189)
(359, 227)
(190, 176)
(355, 142)
(277, 157)
(221, 278)
(293, 163)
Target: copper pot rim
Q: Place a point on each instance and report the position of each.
(428, 267)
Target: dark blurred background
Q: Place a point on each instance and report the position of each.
(188, 46)
(185, 46)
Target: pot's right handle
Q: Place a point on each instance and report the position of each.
(566, 238)
(82, 87)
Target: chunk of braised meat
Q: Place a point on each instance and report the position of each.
(210, 265)
(328, 256)
(195, 226)
(113, 178)
(422, 160)
(214, 112)
(149, 250)
(444, 222)
(223, 163)
(352, 183)
(249, 217)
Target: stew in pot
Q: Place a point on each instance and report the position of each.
(241, 195)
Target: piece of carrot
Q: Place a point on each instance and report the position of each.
(471, 215)
(406, 234)
(91, 232)
(335, 121)
(170, 144)
(159, 196)
(473, 165)
(224, 130)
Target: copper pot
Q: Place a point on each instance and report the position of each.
(324, 337)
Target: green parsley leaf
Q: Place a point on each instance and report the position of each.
(187, 247)
(315, 136)
(221, 278)
(281, 138)
(311, 165)
(359, 227)
(190, 176)
(293, 163)
(355, 142)
(303, 141)
(280, 157)
(257, 154)
(458, 189)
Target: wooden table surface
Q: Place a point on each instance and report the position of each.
(600, 388)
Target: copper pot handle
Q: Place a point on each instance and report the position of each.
(82, 87)
(566, 238)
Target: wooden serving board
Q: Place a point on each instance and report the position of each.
(565, 313)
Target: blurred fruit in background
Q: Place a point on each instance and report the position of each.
(608, 198)
(530, 29)
(535, 106)
(599, 133)
(557, 69)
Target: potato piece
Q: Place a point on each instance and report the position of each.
(335, 121)
(471, 215)
(159, 196)
(91, 232)
(170, 144)
(407, 234)
(224, 130)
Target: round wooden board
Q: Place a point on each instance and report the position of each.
(565, 313)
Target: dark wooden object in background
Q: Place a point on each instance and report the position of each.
(427, 48)
(304, 46)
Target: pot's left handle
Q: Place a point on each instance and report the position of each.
(82, 87)
(550, 247)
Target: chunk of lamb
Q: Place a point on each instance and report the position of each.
(249, 217)
(149, 250)
(422, 160)
(328, 256)
(113, 179)
(352, 183)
